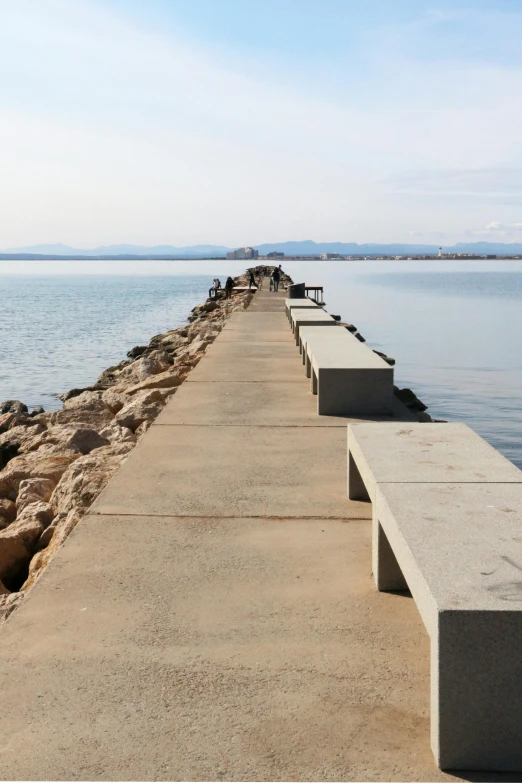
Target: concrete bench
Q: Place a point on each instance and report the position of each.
(300, 304)
(388, 453)
(315, 317)
(447, 510)
(312, 335)
(350, 379)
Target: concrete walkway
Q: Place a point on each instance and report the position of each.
(213, 617)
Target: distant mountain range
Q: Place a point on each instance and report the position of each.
(305, 248)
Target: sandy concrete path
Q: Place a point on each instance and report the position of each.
(213, 617)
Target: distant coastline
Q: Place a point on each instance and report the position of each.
(306, 250)
(352, 257)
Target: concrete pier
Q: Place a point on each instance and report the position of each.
(214, 616)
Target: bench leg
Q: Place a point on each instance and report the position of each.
(386, 570)
(356, 487)
(476, 693)
(308, 365)
(313, 382)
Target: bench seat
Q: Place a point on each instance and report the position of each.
(458, 549)
(302, 304)
(313, 335)
(447, 522)
(350, 379)
(383, 453)
(315, 317)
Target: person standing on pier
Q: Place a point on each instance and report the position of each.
(276, 276)
(229, 285)
(251, 280)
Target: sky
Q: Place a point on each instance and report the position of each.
(237, 122)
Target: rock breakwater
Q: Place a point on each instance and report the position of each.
(54, 465)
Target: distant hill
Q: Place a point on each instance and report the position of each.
(308, 247)
(106, 251)
(303, 248)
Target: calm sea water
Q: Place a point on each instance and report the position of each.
(454, 328)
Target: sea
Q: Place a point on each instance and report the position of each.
(453, 327)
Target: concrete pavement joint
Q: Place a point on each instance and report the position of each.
(148, 515)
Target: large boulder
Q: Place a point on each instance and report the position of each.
(83, 481)
(7, 509)
(33, 491)
(87, 400)
(14, 555)
(50, 541)
(117, 434)
(95, 419)
(33, 465)
(138, 350)
(145, 366)
(144, 406)
(111, 375)
(80, 439)
(18, 541)
(410, 399)
(114, 398)
(20, 435)
(163, 380)
(5, 420)
(13, 406)
(8, 451)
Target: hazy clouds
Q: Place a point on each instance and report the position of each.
(121, 128)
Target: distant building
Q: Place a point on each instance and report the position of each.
(242, 253)
(440, 252)
(275, 254)
(329, 256)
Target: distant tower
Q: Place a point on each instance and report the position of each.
(440, 252)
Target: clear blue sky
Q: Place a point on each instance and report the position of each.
(239, 121)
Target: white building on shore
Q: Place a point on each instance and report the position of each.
(242, 253)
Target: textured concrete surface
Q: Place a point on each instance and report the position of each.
(254, 335)
(424, 453)
(253, 349)
(251, 369)
(251, 320)
(263, 404)
(460, 552)
(196, 649)
(234, 471)
(225, 646)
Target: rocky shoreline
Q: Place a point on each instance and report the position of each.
(53, 465)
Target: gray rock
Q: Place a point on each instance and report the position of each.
(410, 399)
(138, 350)
(13, 406)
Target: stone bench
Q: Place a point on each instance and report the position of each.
(313, 335)
(315, 317)
(388, 453)
(300, 304)
(447, 513)
(349, 378)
